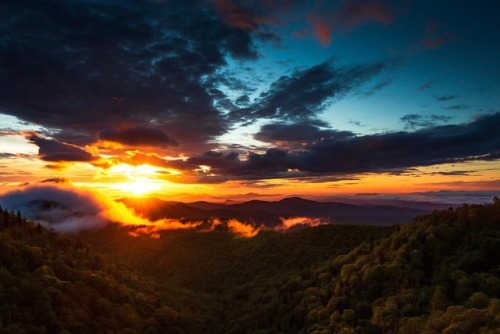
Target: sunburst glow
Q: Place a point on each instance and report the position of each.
(134, 171)
(139, 187)
(142, 179)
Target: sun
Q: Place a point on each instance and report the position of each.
(141, 180)
(139, 187)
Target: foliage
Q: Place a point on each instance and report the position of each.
(55, 284)
(439, 274)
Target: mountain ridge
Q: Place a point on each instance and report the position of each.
(270, 213)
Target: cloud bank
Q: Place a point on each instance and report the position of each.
(143, 73)
(343, 153)
(68, 209)
(86, 67)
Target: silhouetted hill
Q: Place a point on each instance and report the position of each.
(296, 206)
(155, 209)
(206, 205)
(419, 205)
(269, 213)
(338, 213)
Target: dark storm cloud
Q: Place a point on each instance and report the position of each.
(387, 152)
(216, 160)
(53, 150)
(305, 131)
(413, 121)
(235, 83)
(86, 66)
(243, 100)
(142, 158)
(138, 136)
(307, 92)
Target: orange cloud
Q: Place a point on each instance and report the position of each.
(239, 16)
(242, 229)
(435, 42)
(287, 223)
(350, 15)
(434, 35)
(251, 15)
(355, 13)
(321, 29)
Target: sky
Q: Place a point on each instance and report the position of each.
(234, 99)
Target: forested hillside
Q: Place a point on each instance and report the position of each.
(51, 283)
(439, 274)
(218, 261)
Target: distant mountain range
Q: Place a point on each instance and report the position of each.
(268, 213)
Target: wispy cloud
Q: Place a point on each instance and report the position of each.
(457, 107)
(426, 85)
(444, 98)
(287, 99)
(414, 121)
(330, 18)
(54, 150)
(436, 35)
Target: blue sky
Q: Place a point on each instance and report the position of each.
(462, 65)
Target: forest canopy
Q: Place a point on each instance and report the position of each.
(437, 274)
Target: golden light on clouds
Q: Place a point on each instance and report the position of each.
(134, 171)
(139, 188)
(139, 180)
(126, 173)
